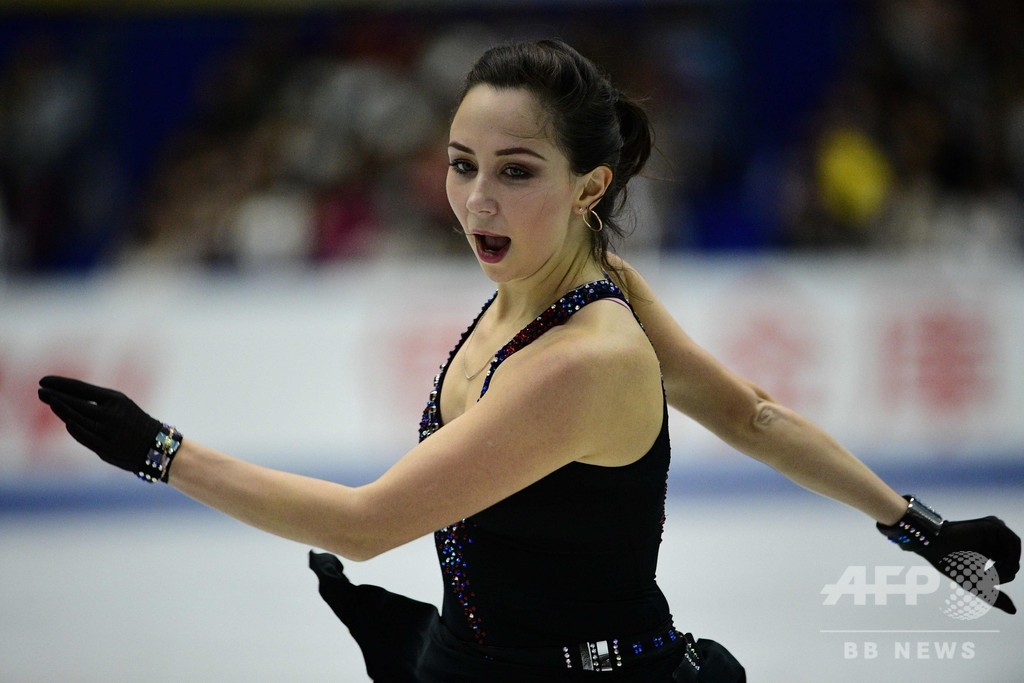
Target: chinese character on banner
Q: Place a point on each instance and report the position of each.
(31, 438)
(771, 332)
(938, 360)
(403, 359)
(777, 351)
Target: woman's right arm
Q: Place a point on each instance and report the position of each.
(549, 409)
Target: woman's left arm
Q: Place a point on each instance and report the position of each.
(748, 419)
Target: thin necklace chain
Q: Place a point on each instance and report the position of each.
(465, 355)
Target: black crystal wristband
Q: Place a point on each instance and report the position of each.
(917, 528)
(157, 464)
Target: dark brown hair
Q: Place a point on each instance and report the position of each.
(593, 123)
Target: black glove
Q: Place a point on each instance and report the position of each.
(948, 544)
(110, 424)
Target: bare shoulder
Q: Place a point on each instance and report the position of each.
(601, 343)
(602, 373)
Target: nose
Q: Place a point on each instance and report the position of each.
(481, 199)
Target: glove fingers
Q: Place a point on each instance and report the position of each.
(988, 536)
(95, 418)
(103, 420)
(1007, 569)
(70, 415)
(86, 409)
(1004, 603)
(76, 388)
(1005, 549)
(115, 417)
(1011, 563)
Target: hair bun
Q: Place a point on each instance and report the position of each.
(637, 138)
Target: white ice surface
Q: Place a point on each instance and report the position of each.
(182, 594)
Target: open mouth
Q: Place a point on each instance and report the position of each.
(491, 247)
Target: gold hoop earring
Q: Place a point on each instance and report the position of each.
(600, 223)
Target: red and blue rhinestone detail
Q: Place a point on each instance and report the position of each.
(452, 540)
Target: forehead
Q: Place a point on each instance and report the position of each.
(493, 118)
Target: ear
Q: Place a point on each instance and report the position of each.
(593, 186)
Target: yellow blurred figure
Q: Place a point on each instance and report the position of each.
(854, 176)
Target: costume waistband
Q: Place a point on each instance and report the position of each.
(608, 654)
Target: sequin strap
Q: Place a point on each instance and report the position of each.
(431, 420)
(556, 314)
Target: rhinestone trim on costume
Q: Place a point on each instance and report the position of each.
(556, 314)
(452, 540)
(606, 655)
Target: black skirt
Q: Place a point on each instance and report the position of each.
(405, 641)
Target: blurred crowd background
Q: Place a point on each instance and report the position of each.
(242, 139)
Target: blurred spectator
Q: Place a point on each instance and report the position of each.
(59, 181)
(335, 163)
(931, 157)
(317, 138)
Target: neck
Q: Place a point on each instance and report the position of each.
(524, 299)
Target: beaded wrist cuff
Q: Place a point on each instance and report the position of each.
(919, 526)
(157, 465)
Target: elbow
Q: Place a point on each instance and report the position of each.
(366, 532)
(355, 549)
(766, 415)
(360, 553)
(754, 429)
(372, 545)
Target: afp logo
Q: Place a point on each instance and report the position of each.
(972, 585)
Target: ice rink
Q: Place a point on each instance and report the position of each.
(247, 217)
(105, 579)
(177, 593)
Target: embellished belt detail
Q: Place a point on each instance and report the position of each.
(613, 653)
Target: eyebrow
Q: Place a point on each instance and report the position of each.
(508, 151)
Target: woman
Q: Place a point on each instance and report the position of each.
(544, 446)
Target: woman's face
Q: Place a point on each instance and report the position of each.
(509, 185)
